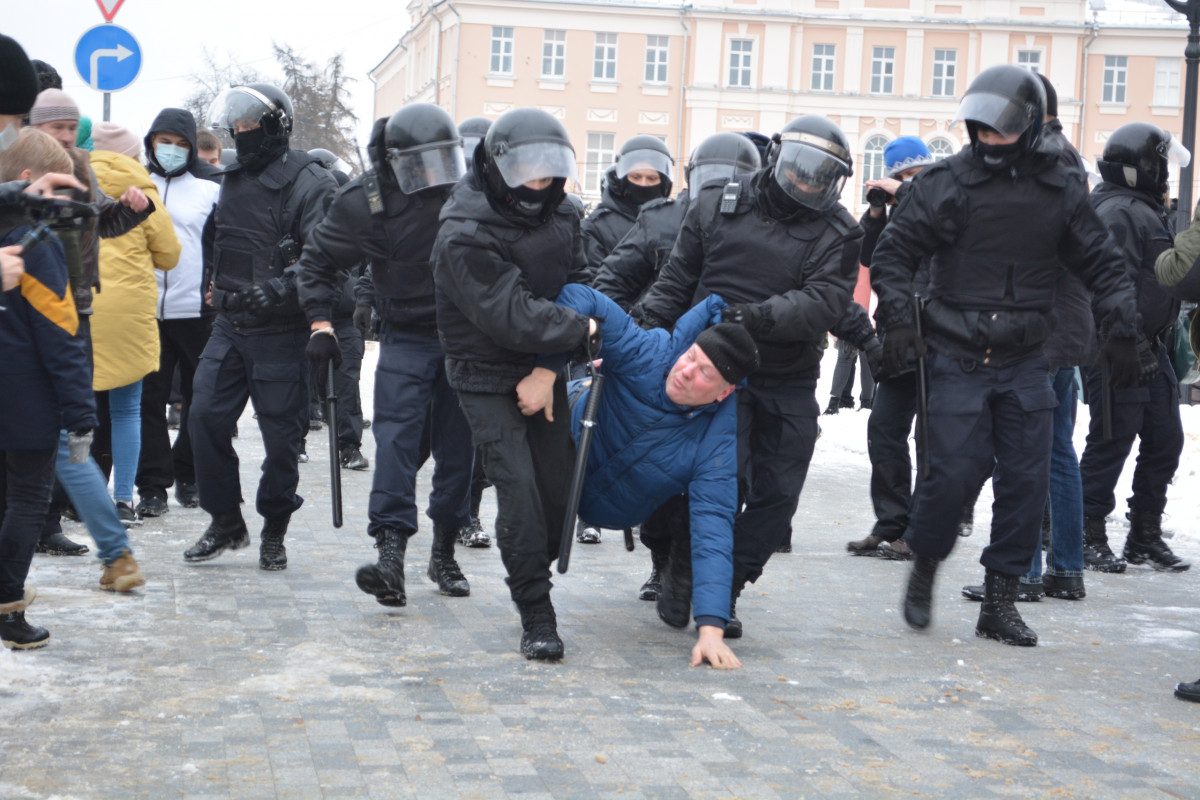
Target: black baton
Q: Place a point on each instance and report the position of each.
(335, 461)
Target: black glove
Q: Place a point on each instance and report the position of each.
(323, 348)
(1130, 363)
(259, 298)
(873, 350)
(748, 315)
(898, 343)
(362, 319)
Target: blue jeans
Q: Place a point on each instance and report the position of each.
(1065, 557)
(125, 411)
(85, 485)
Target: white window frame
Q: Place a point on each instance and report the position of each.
(824, 65)
(599, 154)
(1166, 81)
(873, 165)
(1029, 58)
(1115, 80)
(945, 72)
(658, 57)
(554, 53)
(501, 62)
(604, 57)
(935, 150)
(741, 63)
(883, 69)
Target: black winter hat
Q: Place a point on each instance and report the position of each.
(18, 82)
(731, 349)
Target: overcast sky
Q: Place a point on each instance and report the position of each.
(172, 41)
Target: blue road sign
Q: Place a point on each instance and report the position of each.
(108, 58)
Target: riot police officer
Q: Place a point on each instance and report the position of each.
(390, 216)
(472, 130)
(507, 245)
(270, 202)
(786, 220)
(1131, 201)
(994, 220)
(642, 174)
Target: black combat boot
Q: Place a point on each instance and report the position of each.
(1096, 553)
(539, 626)
(55, 543)
(225, 532)
(443, 569)
(1145, 543)
(674, 601)
(998, 616)
(653, 584)
(272, 555)
(385, 579)
(733, 628)
(918, 597)
(15, 632)
(1026, 592)
(834, 405)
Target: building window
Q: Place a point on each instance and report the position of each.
(656, 58)
(604, 64)
(554, 54)
(1166, 82)
(1114, 79)
(1030, 60)
(822, 67)
(872, 163)
(883, 69)
(598, 157)
(945, 69)
(502, 50)
(741, 56)
(941, 148)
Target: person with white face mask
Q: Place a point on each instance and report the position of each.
(189, 188)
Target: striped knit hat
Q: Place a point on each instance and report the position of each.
(51, 105)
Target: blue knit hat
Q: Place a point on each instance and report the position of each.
(904, 153)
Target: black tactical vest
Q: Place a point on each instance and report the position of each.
(404, 281)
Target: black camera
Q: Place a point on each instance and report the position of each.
(878, 197)
(60, 212)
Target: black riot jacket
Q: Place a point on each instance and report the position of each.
(801, 274)
(256, 213)
(496, 279)
(627, 272)
(397, 242)
(996, 241)
(606, 226)
(1141, 231)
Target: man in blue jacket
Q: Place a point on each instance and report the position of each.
(662, 431)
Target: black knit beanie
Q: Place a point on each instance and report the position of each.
(731, 349)
(18, 82)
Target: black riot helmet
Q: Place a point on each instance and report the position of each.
(720, 157)
(327, 159)
(524, 145)
(472, 131)
(423, 148)
(1137, 155)
(809, 161)
(259, 118)
(1009, 100)
(641, 153)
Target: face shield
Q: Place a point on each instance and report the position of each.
(531, 161)
(1004, 114)
(469, 143)
(1175, 153)
(239, 109)
(644, 160)
(810, 176)
(437, 164)
(701, 174)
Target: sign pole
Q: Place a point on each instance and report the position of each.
(107, 106)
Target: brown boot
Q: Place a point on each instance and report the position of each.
(122, 575)
(865, 547)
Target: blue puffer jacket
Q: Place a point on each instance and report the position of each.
(647, 449)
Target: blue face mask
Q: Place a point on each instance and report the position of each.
(170, 157)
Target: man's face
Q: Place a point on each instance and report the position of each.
(695, 381)
(63, 130)
(995, 137)
(163, 137)
(211, 156)
(644, 176)
(243, 127)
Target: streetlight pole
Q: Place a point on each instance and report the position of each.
(1191, 10)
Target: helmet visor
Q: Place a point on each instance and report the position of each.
(1004, 114)
(437, 165)
(469, 144)
(1177, 153)
(810, 176)
(707, 173)
(644, 160)
(238, 109)
(531, 161)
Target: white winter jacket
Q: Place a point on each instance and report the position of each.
(189, 201)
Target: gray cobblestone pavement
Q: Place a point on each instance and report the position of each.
(221, 681)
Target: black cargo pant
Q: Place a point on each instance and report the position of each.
(529, 461)
(25, 480)
(888, 429)
(271, 370)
